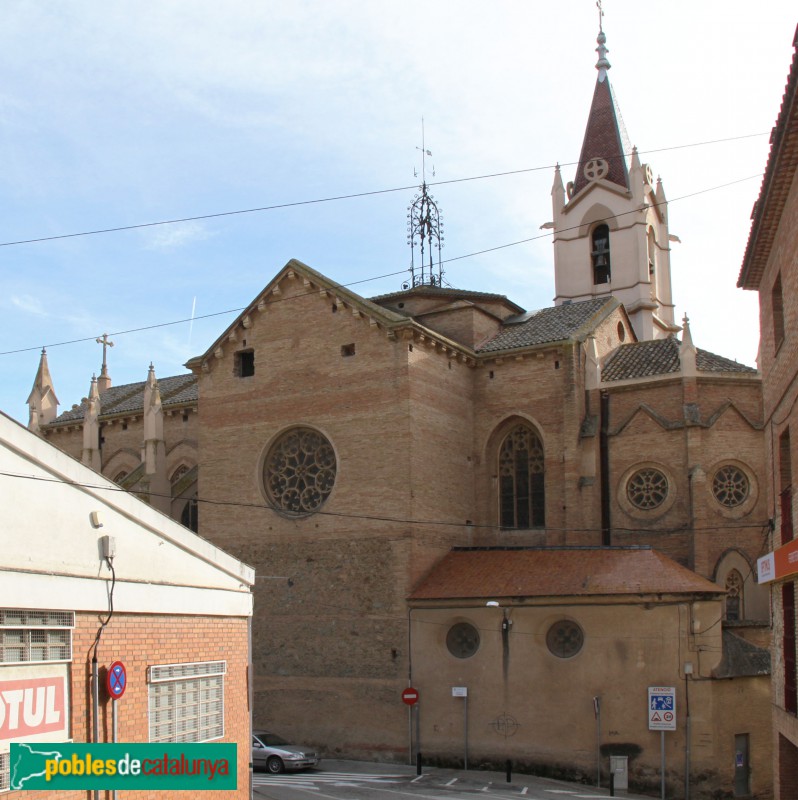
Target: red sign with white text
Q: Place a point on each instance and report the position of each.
(32, 706)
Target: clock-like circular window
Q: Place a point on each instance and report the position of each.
(647, 488)
(462, 640)
(565, 638)
(730, 486)
(299, 471)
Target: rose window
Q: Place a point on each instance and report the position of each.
(299, 471)
(462, 640)
(565, 639)
(730, 486)
(647, 489)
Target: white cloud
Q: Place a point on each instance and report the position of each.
(29, 304)
(174, 236)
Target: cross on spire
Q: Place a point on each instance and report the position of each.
(104, 381)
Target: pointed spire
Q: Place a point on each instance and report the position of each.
(605, 145)
(557, 191)
(91, 428)
(687, 350)
(42, 402)
(153, 422)
(153, 448)
(592, 364)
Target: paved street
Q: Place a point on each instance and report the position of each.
(355, 780)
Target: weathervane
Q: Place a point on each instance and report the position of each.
(425, 229)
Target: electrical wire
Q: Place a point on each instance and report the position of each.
(720, 529)
(336, 198)
(301, 295)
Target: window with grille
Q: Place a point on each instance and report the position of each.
(186, 701)
(5, 771)
(30, 637)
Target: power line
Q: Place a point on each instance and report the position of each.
(336, 198)
(375, 278)
(722, 529)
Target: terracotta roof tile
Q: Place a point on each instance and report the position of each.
(129, 397)
(552, 324)
(661, 357)
(475, 573)
(741, 658)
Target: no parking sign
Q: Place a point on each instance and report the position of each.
(116, 680)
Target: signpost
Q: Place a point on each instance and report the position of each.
(462, 691)
(410, 699)
(662, 717)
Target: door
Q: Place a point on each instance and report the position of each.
(742, 767)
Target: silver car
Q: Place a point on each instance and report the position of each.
(276, 755)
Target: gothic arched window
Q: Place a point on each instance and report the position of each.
(600, 254)
(734, 596)
(521, 473)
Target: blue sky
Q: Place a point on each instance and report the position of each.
(114, 114)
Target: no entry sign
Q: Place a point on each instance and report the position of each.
(116, 680)
(410, 696)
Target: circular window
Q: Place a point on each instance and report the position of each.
(462, 640)
(299, 471)
(595, 169)
(565, 638)
(621, 332)
(730, 486)
(647, 488)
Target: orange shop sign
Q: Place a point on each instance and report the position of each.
(779, 564)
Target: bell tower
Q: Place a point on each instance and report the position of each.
(611, 222)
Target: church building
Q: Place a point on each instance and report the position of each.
(532, 518)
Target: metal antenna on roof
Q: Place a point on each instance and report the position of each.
(424, 229)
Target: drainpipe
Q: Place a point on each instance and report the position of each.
(604, 457)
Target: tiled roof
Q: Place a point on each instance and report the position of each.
(661, 357)
(475, 573)
(552, 324)
(779, 175)
(129, 398)
(741, 658)
(604, 138)
(438, 291)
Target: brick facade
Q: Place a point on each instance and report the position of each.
(141, 641)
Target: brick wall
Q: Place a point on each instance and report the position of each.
(141, 641)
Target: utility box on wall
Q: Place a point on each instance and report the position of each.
(619, 771)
